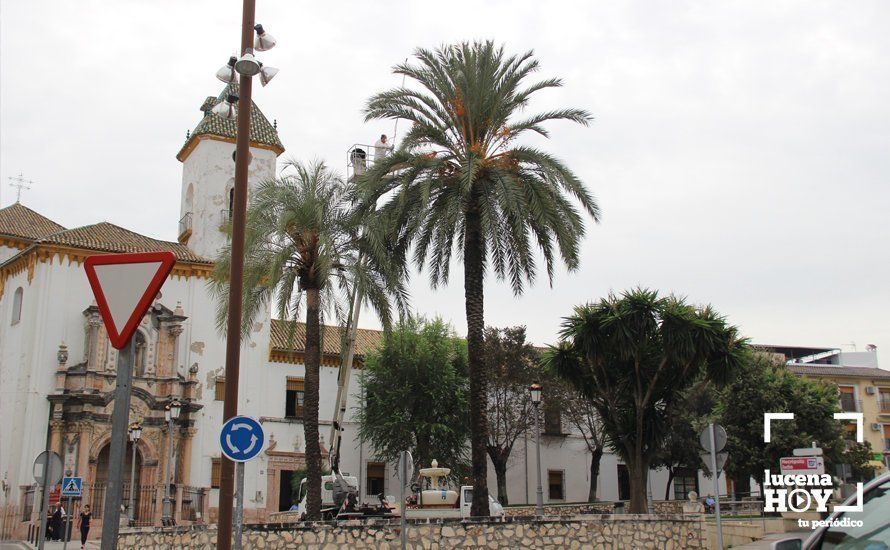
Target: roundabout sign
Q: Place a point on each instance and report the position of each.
(241, 438)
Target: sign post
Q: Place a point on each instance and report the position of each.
(71, 487)
(47, 472)
(404, 470)
(240, 440)
(125, 285)
(713, 440)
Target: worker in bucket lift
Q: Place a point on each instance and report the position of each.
(382, 147)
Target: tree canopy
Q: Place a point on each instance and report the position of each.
(415, 388)
(632, 356)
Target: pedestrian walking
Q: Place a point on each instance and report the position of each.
(56, 522)
(85, 517)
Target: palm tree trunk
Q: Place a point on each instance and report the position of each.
(639, 476)
(474, 271)
(312, 359)
(595, 458)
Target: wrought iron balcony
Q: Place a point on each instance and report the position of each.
(850, 404)
(185, 227)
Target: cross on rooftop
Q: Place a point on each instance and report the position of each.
(19, 182)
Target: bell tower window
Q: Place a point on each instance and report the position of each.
(17, 306)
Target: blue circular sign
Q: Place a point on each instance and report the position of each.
(241, 438)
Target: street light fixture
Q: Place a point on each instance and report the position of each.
(535, 391)
(227, 73)
(171, 414)
(135, 433)
(226, 108)
(266, 74)
(248, 64)
(263, 41)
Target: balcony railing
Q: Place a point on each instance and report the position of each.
(225, 217)
(185, 227)
(850, 404)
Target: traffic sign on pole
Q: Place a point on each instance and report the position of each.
(48, 466)
(125, 286)
(72, 486)
(241, 438)
(704, 438)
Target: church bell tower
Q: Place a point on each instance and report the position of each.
(208, 173)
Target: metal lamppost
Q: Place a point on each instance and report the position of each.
(535, 391)
(253, 38)
(135, 434)
(171, 414)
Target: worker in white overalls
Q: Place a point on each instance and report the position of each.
(382, 147)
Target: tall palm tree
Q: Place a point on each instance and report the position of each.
(304, 248)
(459, 179)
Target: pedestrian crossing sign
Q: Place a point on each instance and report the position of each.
(72, 486)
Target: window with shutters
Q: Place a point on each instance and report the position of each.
(214, 473)
(375, 475)
(685, 480)
(556, 485)
(220, 394)
(848, 398)
(295, 398)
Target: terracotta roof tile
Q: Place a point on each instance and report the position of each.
(107, 237)
(20, 221)
(811, 369)
(366, 340)
(261, 131)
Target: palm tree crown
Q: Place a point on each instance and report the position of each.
(302, 233)
(461, 156)
(459, 179)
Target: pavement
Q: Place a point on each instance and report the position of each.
(765, 542)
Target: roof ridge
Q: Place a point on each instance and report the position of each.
(23, 222)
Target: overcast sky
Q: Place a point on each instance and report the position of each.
(739, 152)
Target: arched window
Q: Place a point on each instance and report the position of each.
(190, 198)
(17, 305)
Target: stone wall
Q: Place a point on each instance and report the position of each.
(562, 510)
(665, 532)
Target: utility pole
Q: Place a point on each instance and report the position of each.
(236, 276)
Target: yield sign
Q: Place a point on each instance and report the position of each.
(125, 286)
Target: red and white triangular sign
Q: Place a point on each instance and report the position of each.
(125, 286)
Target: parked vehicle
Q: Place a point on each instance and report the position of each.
(873, 534)
(329, 507)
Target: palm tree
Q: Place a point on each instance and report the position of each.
(459, 179)
(632, 357)
(304, 248)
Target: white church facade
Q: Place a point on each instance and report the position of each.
(57, 367)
